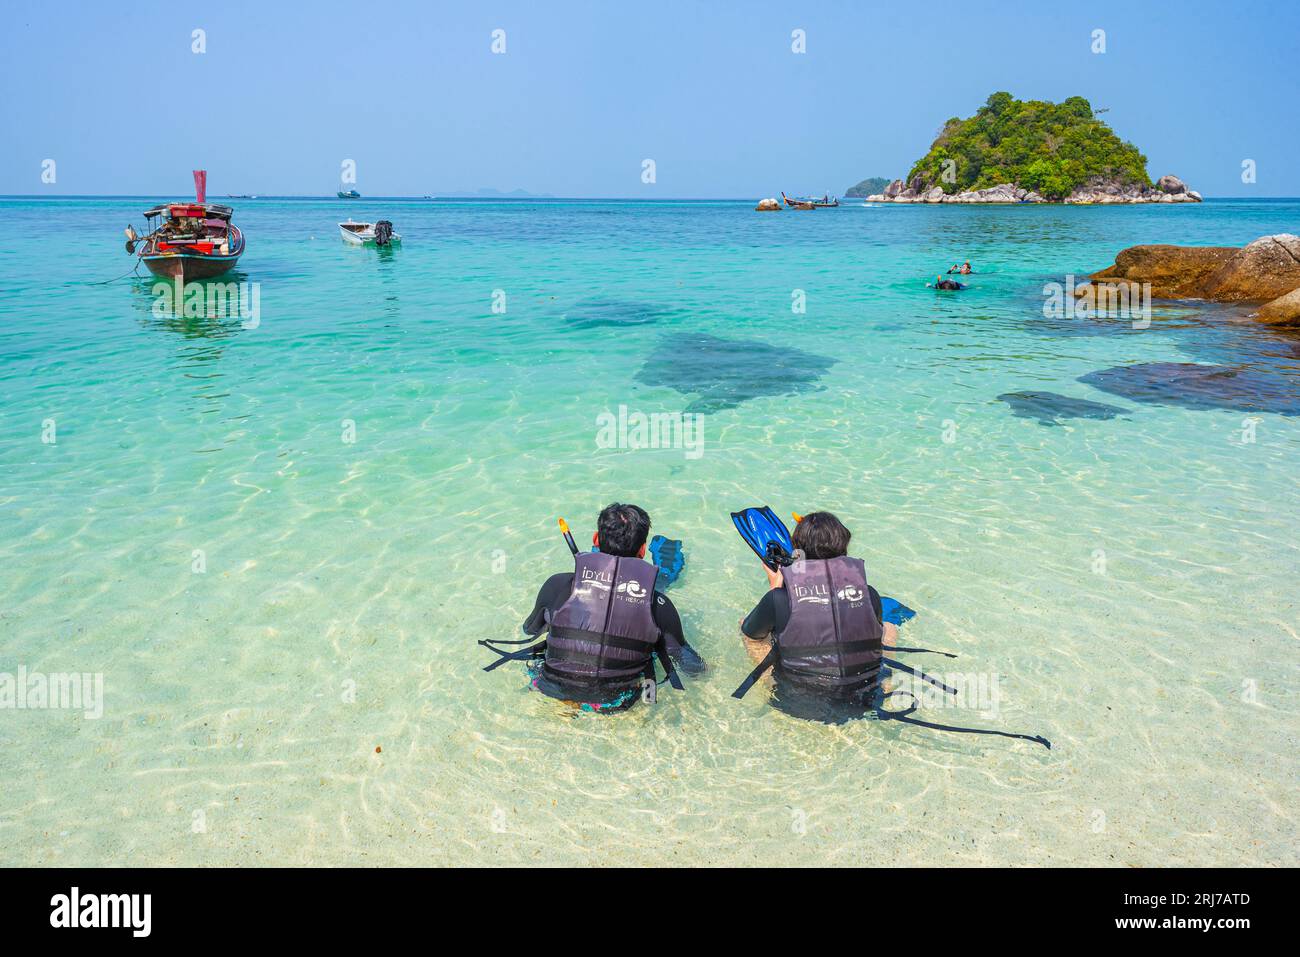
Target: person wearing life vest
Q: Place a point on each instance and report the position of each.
(606, 623)
(819, 626)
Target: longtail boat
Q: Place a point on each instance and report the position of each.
(826, 202)
(189, 240)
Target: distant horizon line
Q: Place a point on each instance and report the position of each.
(506, 197)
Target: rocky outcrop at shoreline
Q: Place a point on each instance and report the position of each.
(1266, 271)
(1169, 189)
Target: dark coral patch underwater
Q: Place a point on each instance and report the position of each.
(599, 312)
(723, 373)
(1193, 386)
(1049, 408)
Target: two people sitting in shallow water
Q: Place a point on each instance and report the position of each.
(819, 626)
(941, 283)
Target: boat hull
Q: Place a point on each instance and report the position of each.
(809, 203)
(185, 268)
(186, 265)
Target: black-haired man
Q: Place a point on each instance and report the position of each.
(605, 620)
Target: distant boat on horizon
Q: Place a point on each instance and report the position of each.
(349, 194)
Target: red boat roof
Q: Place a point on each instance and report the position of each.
(191, 211)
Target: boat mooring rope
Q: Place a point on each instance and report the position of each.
(134, 272)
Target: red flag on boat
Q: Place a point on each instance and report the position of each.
(200, 186)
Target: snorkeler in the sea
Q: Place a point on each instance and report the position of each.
(941, 283)
(607, 621)
(821, 628)
(964, 269)
(820, 625)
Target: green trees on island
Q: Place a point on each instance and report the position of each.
(1051, 148)
(868, 187)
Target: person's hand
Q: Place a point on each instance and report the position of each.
(774, 578)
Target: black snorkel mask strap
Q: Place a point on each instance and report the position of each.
(775, 556)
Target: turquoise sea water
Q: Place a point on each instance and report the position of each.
(312, 695)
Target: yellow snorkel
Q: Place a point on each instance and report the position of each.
(568, 536)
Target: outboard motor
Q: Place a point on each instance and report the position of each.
(383, 232)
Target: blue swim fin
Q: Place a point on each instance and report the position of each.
(666, 555)
(894, 611)
(759, 527)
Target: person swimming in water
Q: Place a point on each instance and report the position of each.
(964, 269)
(941, 283)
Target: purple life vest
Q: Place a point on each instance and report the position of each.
(605, 634)
(832, 641)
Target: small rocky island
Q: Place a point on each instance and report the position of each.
(868, 187)
(1266, 271)
(1032, 151)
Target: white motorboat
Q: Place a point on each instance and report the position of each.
(369, 234)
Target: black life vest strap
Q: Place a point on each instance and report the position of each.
(906, 718)
(898, 665)
(843, 647)
(489, 642)
(535, 651)
(921, 651)
(599, 638)
(598, 658)
(768, 661)
(670, 672)
(831, 677)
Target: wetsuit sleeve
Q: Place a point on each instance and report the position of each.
(669, 622)
(554, 592)
(762, 621)
(875, 604)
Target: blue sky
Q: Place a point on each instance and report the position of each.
(586, 91)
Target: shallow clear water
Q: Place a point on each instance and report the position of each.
(1129, 581)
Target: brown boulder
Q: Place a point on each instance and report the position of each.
(1175, 272)
(1264, 270)
(1282, 311)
